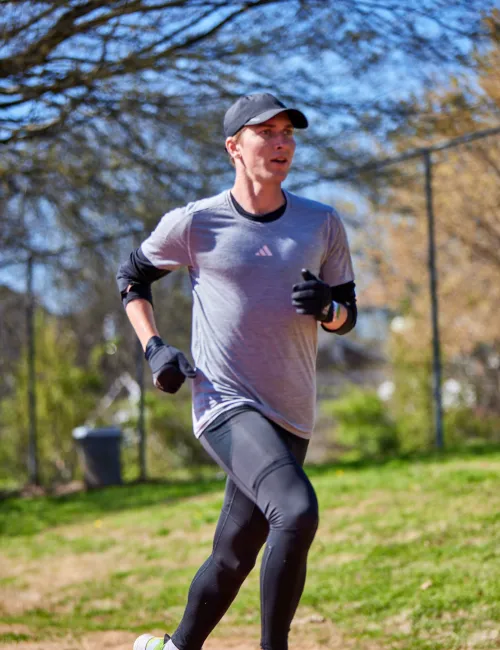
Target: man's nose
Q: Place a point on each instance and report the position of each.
(281, 142)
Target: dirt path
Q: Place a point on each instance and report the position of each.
(316, 638)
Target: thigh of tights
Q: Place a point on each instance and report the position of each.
(248, 447)
(251, 526)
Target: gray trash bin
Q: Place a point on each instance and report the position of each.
(99, 452)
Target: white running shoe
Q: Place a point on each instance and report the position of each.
(150, 642)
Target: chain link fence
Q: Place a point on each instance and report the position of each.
(426, 236)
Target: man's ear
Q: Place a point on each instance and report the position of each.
(231, 147)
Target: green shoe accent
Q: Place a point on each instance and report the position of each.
(149, 642)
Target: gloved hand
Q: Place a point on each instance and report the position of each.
(168, 364)
(313, 297)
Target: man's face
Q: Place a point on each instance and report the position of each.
(266, 150)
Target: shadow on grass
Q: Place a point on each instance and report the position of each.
(422, 457)
(28, 516)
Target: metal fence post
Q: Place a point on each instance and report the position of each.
(436, 348)
(141, 420)
(141, 428)
(33, 467)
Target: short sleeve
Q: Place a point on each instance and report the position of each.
(168, 245)
(336, 267)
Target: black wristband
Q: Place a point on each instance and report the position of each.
(153, 343)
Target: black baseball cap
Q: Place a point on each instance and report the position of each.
(258, 108)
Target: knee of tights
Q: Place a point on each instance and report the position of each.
(303, 519)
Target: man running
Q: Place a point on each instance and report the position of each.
(266, 266)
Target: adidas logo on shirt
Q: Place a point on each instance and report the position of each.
(264, 252)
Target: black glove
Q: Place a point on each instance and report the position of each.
(313, 297)
(168, 364)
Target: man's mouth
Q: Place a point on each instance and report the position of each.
(280, 161)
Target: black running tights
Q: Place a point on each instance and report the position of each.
(268, 498)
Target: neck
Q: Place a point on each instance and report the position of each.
(257, 198)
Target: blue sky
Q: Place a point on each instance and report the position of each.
(396, 78)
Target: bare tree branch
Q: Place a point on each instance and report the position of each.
(112, 104)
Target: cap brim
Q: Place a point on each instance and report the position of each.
(297, 118)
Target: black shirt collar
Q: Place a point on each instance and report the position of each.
(264, 218)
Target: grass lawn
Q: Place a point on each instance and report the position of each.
(407, 556)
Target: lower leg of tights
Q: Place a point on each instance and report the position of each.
(241, 532)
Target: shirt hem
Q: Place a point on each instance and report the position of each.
(200, 427)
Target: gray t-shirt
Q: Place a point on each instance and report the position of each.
(248, 343)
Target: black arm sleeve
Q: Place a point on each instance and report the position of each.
(345, 294)
(137, 273)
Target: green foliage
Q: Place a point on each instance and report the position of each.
(170, 442)
(411, 403)
(364, 425)
(170, 429)
(65, 394)
(464, 426)
(413, 410)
